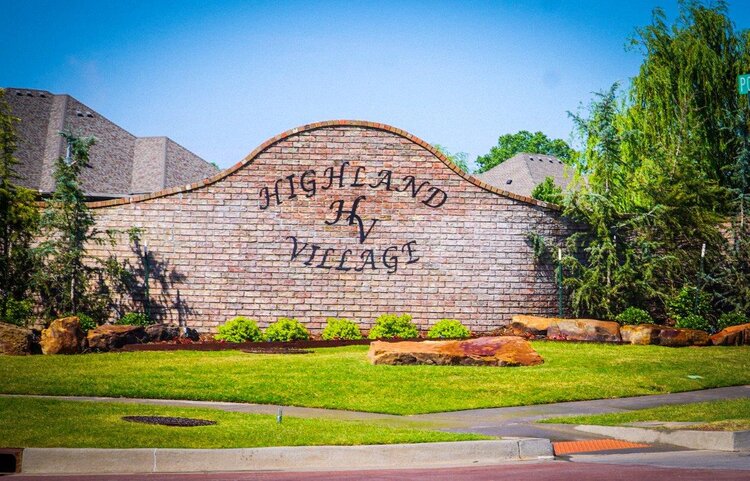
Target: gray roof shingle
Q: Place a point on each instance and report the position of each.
(522, 172)
(120, 164)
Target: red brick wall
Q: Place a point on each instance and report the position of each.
(435, 247)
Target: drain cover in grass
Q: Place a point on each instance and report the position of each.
(168, 421)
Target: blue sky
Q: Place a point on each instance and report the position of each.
(221, 77)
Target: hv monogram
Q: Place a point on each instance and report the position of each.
(343, 213)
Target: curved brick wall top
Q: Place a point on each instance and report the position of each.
(339, 219)
(330, 123)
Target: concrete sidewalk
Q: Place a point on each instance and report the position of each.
(519, 421)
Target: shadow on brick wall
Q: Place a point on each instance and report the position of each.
(150, 285)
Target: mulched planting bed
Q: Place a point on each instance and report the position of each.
(277, 350)
(169, 421)
(266, 347)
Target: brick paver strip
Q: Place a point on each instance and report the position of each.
(569, 447)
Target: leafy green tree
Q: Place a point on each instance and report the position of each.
(548, 191)
(509, 145)
(19, 219)
(458, 158)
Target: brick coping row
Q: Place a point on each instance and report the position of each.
(314, 126)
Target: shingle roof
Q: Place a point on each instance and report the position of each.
(522, 172)
(120, 164)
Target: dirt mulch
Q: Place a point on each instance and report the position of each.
(265, 347)
(169, 421)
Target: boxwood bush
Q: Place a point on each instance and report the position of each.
(286, 329)
(239, 329)
(448, 328)
(634, 316)
(340, 328)
(392, 325)
(135, 319)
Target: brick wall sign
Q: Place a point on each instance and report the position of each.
(339, 219)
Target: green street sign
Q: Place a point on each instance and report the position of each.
(744, 83)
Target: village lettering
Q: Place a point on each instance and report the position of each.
(347, 214)
(310, 183)
(347, 259)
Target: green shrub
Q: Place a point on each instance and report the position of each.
(135, 319)
(87, 322)
(689, 301)
(634, 316)
(731, 319)
(391, 325)
(286, 329)
(239, 329)
(18, 312)
(448, 328)
(694, 321)
(340, 329)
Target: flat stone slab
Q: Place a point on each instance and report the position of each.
(483, 351)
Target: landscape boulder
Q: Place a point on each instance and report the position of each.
(679, 337)
(15, 340)
(483, 351)
(642, 334)
(663, 336)
(530, 326)
(584, 330)
(732, 336)
(109, 336)
(162, 332)
(170, 332)
(63, 336)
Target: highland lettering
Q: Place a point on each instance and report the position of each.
(348, 176)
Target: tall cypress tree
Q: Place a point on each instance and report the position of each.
(69, 226)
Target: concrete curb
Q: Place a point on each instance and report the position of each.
(110, 461)
(711, 440)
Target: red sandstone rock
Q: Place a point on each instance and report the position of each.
(677, 337)
(63, 336)
(531, 326)
(663, 336)
(584, 330)
(732, 336)
(108, 336)
(483, 351)
(640, 334)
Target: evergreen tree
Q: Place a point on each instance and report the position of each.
(548, 191)
(69, 226)
(18, 223)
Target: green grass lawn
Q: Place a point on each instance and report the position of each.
(729, 415)
(51, 423)
(341, 378)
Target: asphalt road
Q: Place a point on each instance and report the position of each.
(526, 471)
